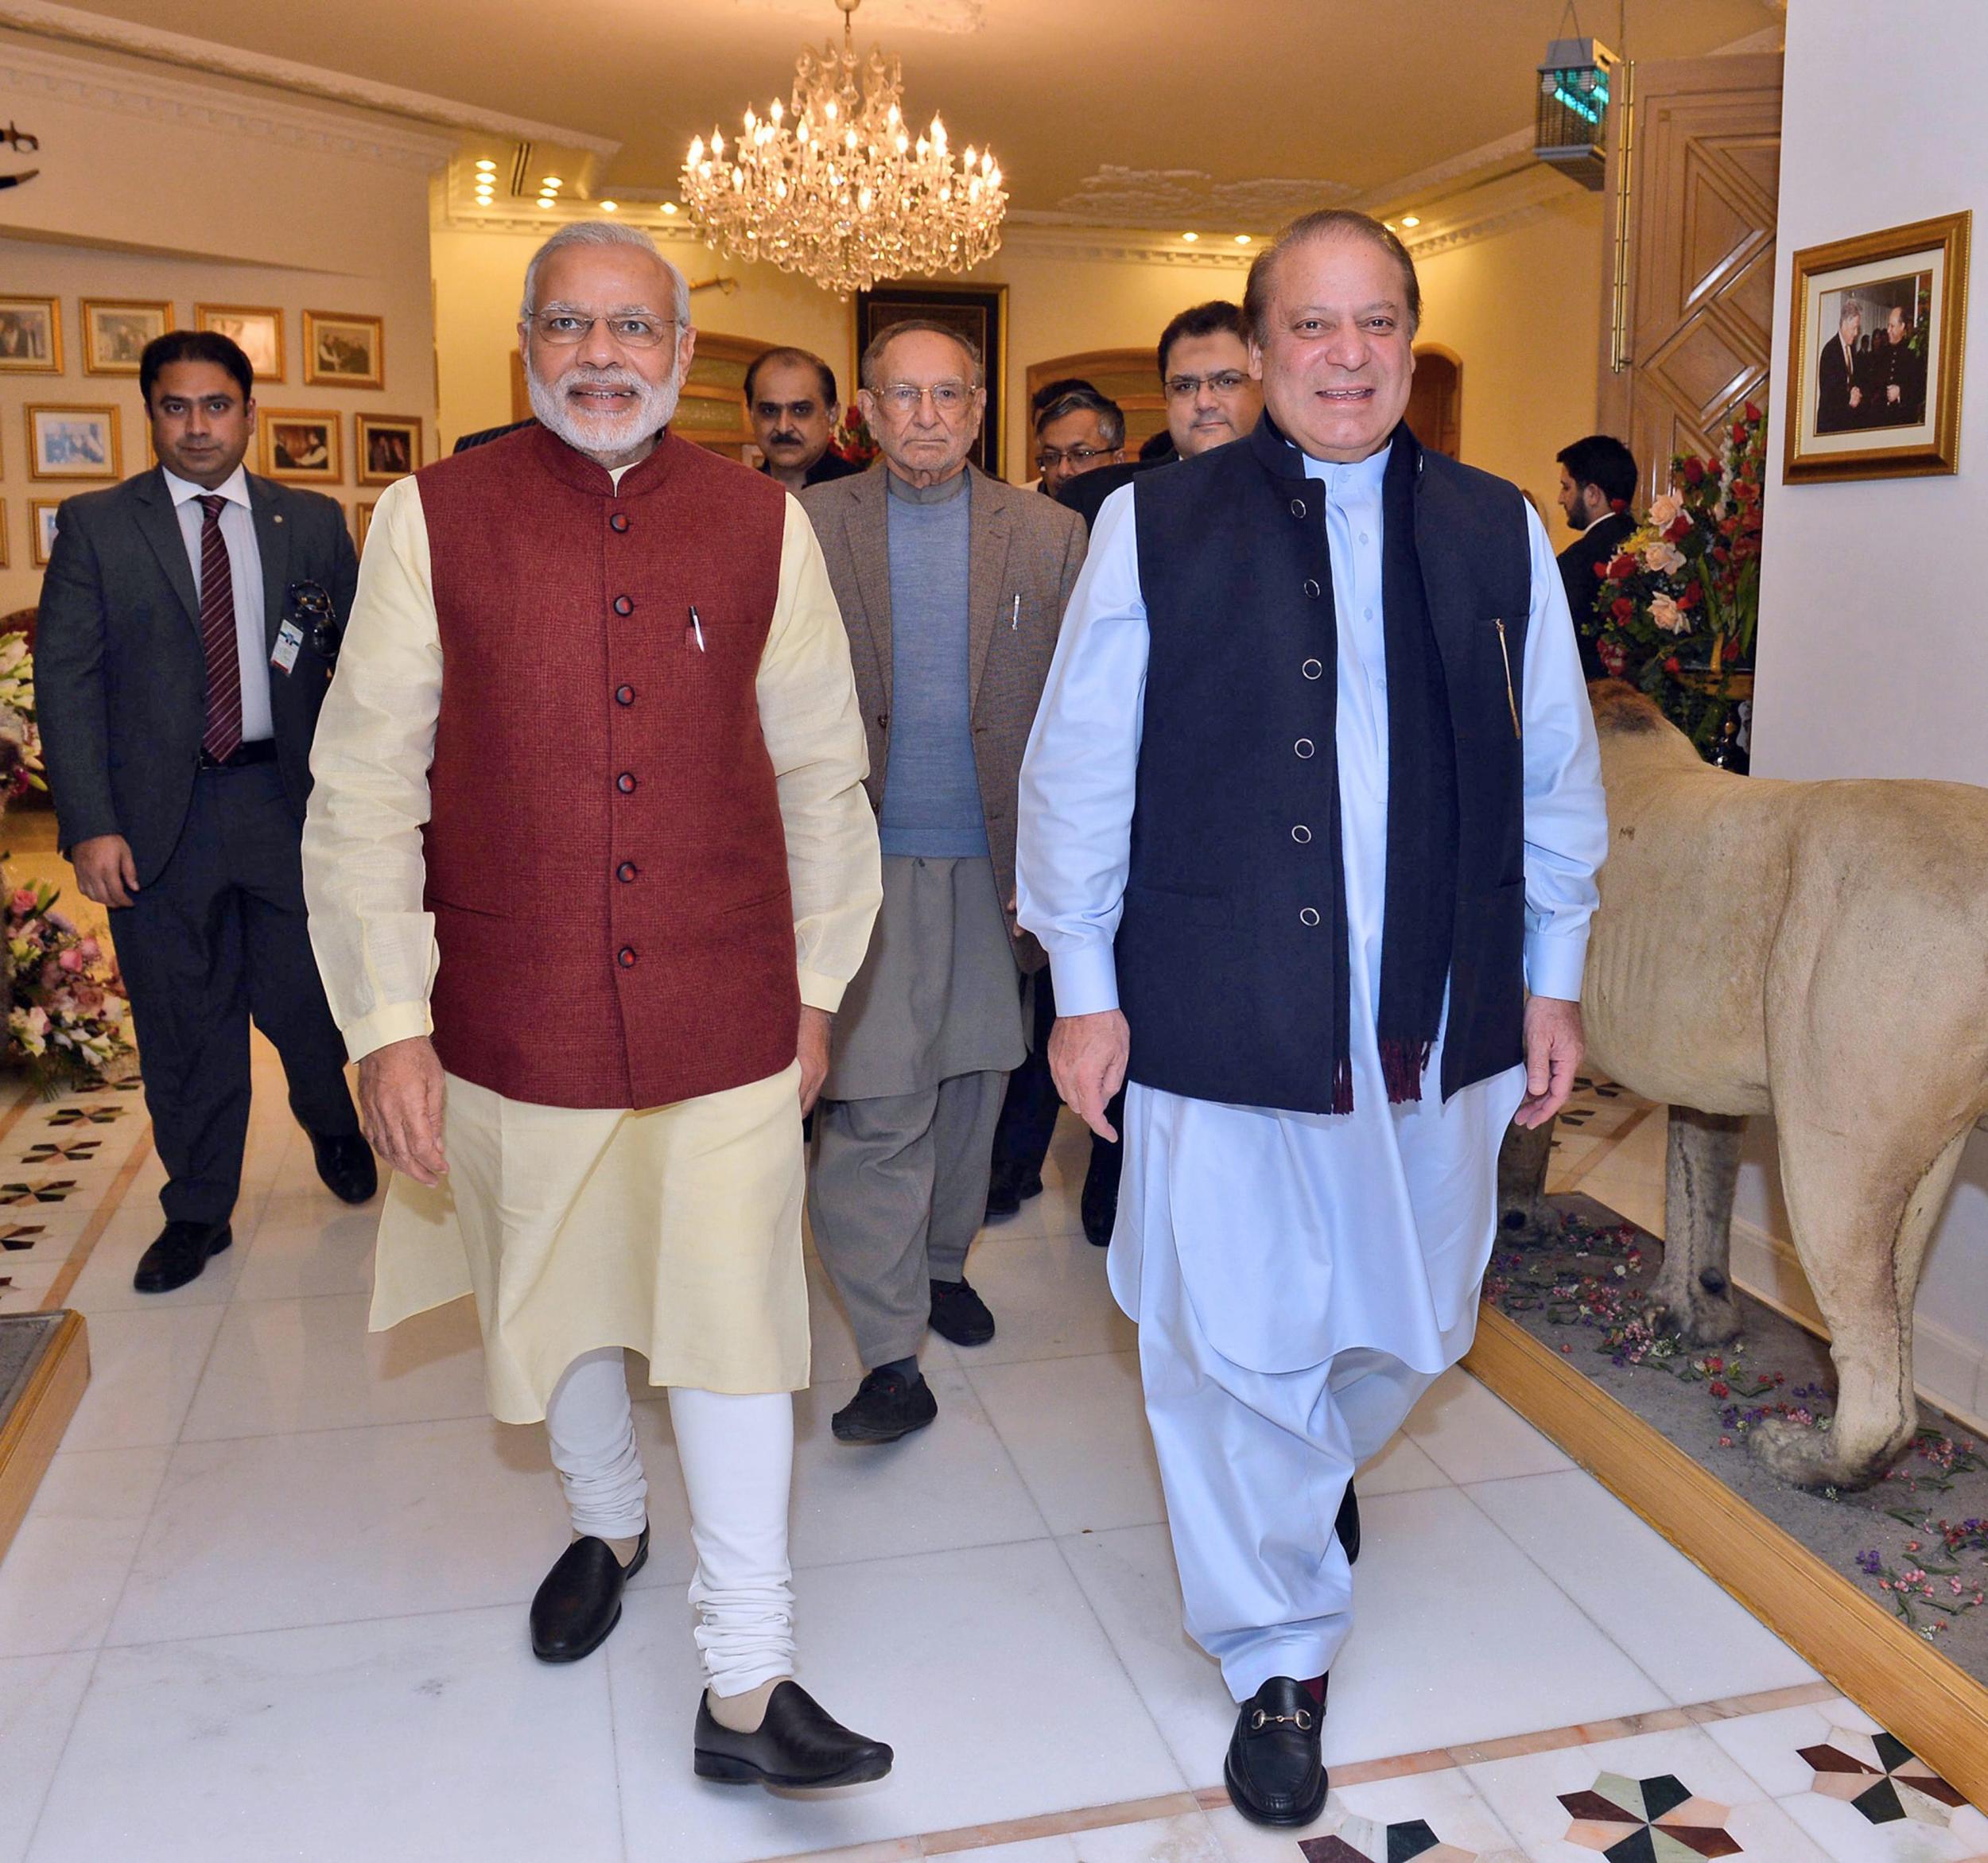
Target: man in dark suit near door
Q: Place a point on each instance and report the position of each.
(1597, 480)
(189, 622)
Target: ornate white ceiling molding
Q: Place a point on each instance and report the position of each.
(49, 20)
(1119, 197)
(1502, 155)
(130, 91)
(929, 16)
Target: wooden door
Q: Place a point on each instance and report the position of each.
(1687, 333)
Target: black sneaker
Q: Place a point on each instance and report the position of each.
(959, 1314)
(884, 1408)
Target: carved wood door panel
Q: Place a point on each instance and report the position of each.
(1697, 301)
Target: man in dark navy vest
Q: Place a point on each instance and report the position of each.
(1312, 800)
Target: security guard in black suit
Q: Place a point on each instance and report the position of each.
(189, 622)
(1597, 480)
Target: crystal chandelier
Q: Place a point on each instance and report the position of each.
(834, 187)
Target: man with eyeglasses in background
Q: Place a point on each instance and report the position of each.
(594, 678)
(1077, 433)
(951, 585)
(1211, 399)
(791, 400)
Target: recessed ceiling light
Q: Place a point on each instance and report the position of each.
(486, 167)
(1411, 219)
(669, 207)
(552, 181)
(544, 201)
(1242, 238)
(611, 206)
(1190, 237)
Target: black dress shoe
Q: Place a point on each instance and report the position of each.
(884, 1408)
(797, 1745)
(347, 1166)
(1347, 1526)
(1099, 1205)
(1004, 1199)
(1273, 1772)
(580, 1599)
(178, 1255)
(959, 1314)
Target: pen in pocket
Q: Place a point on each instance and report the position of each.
(693, 630)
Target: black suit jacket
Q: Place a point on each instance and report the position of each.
(1086, 493)
(1836, 375)
(1578, 562)
(120, 674)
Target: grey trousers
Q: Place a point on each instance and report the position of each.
(897, 1193)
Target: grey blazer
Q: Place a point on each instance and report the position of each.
(120, 676)
(1020, 545)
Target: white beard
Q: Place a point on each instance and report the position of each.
(599, 435)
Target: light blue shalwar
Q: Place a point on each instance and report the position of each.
(1298, 1279)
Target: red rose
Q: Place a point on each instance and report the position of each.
(1622, 568)
(1689, 598)
(1671, 664)
(1694, 472)
(1618, 504)
(1752, 413)
(1719, 1389)
(1739, 433)
(1680, 528)
(1623, 609)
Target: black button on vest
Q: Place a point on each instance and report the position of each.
(618, 521)
(626, 783)
(626, 957)
(625, 872)
(624, 695)
(623, 605)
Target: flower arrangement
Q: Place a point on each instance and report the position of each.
(69, 1022)
(1681, 600)
(851, 439)
(20, 740)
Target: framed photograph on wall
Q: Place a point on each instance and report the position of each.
(342, 352)
(300, 447)
(1878, 326)
(258, 328)
(73, 442)
(41, 526)
(979, 312)
(31, 336)
(388, 447)
(114, 335)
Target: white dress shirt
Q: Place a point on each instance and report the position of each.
(245, 570)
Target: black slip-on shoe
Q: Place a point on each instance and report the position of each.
(1347, 1525)
(885, 1407)
(959, 1314)
(579, 1601)
(1273, 1772)
(799, 1744)
(1099, 1205)
(347, 1166)
(178, 1254)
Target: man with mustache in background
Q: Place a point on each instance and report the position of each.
(589, 864)
(790, 399)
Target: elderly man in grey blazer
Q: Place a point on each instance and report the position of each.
(952, 585)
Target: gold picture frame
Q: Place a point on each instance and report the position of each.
(30, 335)
(362, 522)
(1878, 327)
(115, 332)
(69, 440)
(343, 350)
(385, 447)
(257, 327)
(41, 517)
(300, 445)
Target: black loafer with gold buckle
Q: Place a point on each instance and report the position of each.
(1274, 1773)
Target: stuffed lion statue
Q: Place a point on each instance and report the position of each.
(1818, 951)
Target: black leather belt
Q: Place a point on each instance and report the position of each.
(262, 751)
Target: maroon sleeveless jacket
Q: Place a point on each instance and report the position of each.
(606, 863)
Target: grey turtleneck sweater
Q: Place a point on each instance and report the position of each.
(931, 792)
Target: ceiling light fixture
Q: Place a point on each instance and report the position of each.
(1242, 238)
(611, 206)
(551, 184)
(1190, 237)
(669, 207)
(833, 186)
(486, 167)
(1411, 220)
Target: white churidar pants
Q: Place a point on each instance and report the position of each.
(737, 1455)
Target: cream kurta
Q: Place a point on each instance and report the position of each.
(676, 1230)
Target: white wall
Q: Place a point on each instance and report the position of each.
(1873, 637)
(157, 185)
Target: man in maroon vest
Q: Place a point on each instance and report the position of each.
(590, 865)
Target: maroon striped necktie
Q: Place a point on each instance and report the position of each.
(223, 737)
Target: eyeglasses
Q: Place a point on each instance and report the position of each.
(904, 400)
(1049, 457)
(1187, 387)
(568, 329)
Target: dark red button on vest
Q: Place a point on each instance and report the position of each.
(618, 521)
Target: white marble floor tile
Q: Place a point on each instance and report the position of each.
(1077, 1429)
(306, 1242)
(433, 1738)
(1360, 1817)
(1048, 1296)
(1459, 1636)
(1128, 1576)
(1639, 1589)
(1189, 1838)
(283, 1365)
(104, 1286)
(62, 1575)
(144, 1368)
(1400, 1469)
(952, 1485)
(1525, 1793)
(983, 1667)
(39, 1696)
(271, 1532)
(1472, 1436)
